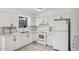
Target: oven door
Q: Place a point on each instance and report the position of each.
(42, 36)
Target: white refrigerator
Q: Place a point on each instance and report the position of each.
(61, 34)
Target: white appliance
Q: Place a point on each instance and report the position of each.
(61, 35)
(42, 38)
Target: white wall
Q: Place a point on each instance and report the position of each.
(10, 16)
(75, 29)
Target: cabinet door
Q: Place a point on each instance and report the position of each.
(9, 43)
(18, 41)
(24, 40)
(29, 38)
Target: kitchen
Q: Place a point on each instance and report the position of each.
(39, 29)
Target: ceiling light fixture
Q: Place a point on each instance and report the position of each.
(39, 9)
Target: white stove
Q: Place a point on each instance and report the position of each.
(42, 38)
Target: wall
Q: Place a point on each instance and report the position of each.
(10, 16)
(75, 29)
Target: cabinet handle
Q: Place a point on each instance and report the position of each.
(14, 39)
(27, 35)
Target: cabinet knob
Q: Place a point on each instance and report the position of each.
(27, 35)
(14, 38)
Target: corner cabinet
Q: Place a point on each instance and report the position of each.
(22, 40)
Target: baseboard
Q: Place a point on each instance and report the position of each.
(56, 50)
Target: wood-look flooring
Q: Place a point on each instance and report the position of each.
(35, 47)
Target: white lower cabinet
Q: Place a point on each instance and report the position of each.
(18, 41)
(29, 38)
(13, 42)
(9, 43)
(24, 39)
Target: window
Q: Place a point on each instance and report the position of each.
(23, 22)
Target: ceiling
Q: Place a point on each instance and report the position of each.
(30, 11)
(35, 11)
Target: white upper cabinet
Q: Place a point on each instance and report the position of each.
(29, 21)
(43, 20)
(34, 21)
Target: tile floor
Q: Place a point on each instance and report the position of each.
(36, 47)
